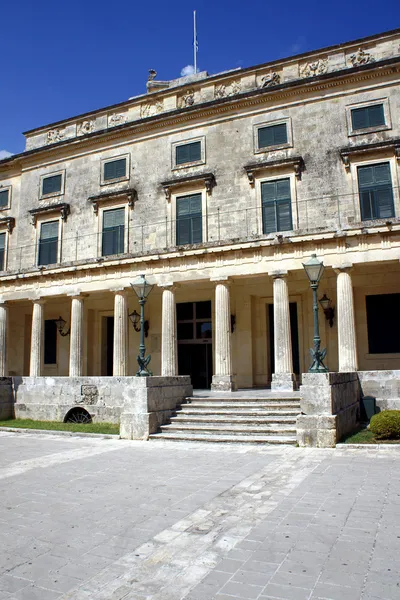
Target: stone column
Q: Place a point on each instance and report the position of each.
(347, 344)
(283, 377)
(3, 339)
(223, 379)
(76, 340)
(37, 339)
(169, 364)
(120, 366)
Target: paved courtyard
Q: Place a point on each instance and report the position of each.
(96, 519)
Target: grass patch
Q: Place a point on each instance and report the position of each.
(112, 428)
(365, 436)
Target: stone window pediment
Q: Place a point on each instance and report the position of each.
(208, 180)
(7, 223)
(62, 208)
(129, 195)
(296, 163)
(350, 152)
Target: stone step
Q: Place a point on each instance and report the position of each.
(229, 429)
(225, 438)
(239, 411)
(232, 419)
(248, 405)
(275, 398)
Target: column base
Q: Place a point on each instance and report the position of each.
(223, 383)
(282, 382)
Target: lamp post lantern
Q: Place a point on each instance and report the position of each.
(142, 289)
(314, 269)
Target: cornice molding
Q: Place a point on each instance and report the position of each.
(207, 178)
(349, 151)
(8, 222)
(296, 162)
(62, 207)
(130, 194)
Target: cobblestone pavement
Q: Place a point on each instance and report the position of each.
(93, 519)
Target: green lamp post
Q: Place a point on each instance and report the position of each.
(314, 269)
(142, 289)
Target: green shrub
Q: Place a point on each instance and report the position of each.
(386, 425)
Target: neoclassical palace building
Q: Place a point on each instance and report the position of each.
(217, 188)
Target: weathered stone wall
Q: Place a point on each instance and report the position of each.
(382, 385)
(6, 399)
(330, 406)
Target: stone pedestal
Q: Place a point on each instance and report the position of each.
(3, 339)
(120, 334)
(223, 379)
(347, 344)
(169, 365)
(36, 363)
(76, 342)
(283, 377)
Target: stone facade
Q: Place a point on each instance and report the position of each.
(239, 264)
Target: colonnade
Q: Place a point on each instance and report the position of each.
(223, 378)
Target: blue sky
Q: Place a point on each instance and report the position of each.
(60, 59)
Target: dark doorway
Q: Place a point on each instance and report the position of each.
(109, 342)
(294, 329)
(194, 326)
(383, 323)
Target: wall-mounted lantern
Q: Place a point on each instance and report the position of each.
(60, 324)
(328, 309)
(135, 320)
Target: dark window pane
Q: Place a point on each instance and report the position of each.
(203, 330)
(382, 323)
(113, 231)
(272, 135)
(185, 331)
(115, 169)
(50, 342)
(48, 243)
(189, 220)
(184, 311)
(188, 153)
(203, 310)
(368, 116)
(376, 193)
(3, 198)
(51, 185)
(276, 206)
(2, 250)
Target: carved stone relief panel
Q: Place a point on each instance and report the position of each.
(269, 80)
(228, 89)
(116, 119)
(311, 69)
(85, 127)
(360, 58)
(187, 99)
(150, 109)
(55, 135)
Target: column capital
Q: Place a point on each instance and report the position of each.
(39, 300)
(77, 296)
(278, 274)
(221, 279)
(343, 267)
(122, 291)
(168, 285)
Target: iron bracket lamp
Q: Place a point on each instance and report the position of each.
(60, 324)
(328, 309)
(233, 323)
(142, 289)
(135, 320)
(314, 269)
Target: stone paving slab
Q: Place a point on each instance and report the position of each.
(84, 518)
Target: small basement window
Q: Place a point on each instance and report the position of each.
(383, 323)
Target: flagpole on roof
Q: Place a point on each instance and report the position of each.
(195, 45)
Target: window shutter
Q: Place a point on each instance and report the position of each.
(265, 137)
(195, 204)
(113, 218)
(376, 115)
(195, 151)
(376, 192)
(365, 176)
(284, 215)
(359, 118)
(381, 173)
(48, 243)
(368, 116)
(51, 185)
(183, 231)
(280, 134)
(120, 167)
(189, 220)
(384, 203)
(2, 241)
(3, 198)
(366, 202)
(188, 153)
(269, 217)
(49, 231)
(115, 169)
(197, 234)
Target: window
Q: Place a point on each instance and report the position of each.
(367, 116)
(4, 198)
(115, 169)
(51, 185)
(376, 193)
(194, 320)
(48, 243)
(50, 342)
(187, 153)
(2, 250)
(273, 135)
(383, 324)
(276, 205)
(113, 231)
(188, 220)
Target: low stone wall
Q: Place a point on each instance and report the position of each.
(6, 399)
(140, 404)
(330, 406)
(382, 385)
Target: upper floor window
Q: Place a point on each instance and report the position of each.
(367, 116)
(115, 169)
(273, 135)
(276, 205)
(2, 250)
(48, 243)
(113, 239)
(376, 191)
(51, 184)
(189, 220)
(189, 153)
(4, 198)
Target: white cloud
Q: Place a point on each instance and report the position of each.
(4, 154)
(188, 70)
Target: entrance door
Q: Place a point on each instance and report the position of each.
(107, 350)
(294, 329)
(194, 327)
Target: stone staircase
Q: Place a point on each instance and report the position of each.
(253, 416)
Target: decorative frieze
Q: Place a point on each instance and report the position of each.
(116, 119)
(228, 89)
(55, 135)
(360, 58)
(151, 108)
(269, 80)
(312, 69)
(187, 99)
(85, 127)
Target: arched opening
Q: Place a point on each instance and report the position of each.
(77, 415)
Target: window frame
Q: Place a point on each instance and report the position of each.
(289, 144)
(172, 212)
(194, 163)
(276, 175)
(6, 241)
(111, 159)
(50, 364)
(52, 194)
(372, 102)
(183, 196)
(6, 188)
(101, 210)
(59, 240)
